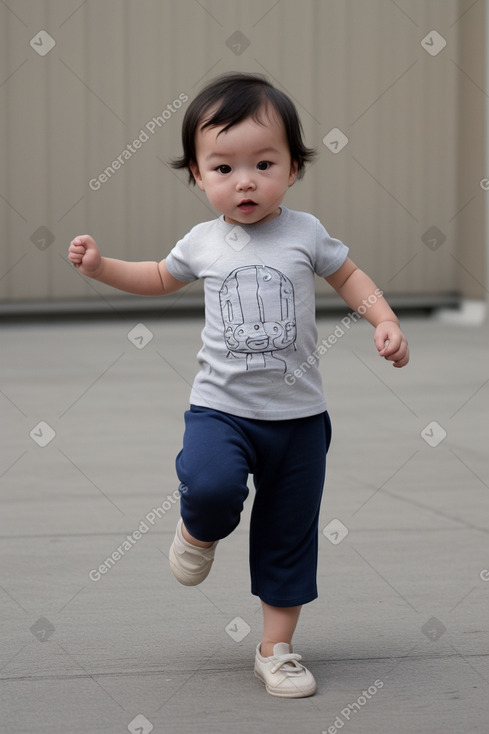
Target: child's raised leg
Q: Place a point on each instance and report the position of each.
(190, 559)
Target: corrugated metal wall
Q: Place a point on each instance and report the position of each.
(81, 81)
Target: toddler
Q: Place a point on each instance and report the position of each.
(243, 146)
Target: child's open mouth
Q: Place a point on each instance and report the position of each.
(247, 205)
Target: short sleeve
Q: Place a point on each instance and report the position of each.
(330, 252)
(178, 261)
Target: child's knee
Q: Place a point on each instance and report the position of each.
(213, 492)
(211, 509)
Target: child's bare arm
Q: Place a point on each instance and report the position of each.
(360, 292)
(141, 278)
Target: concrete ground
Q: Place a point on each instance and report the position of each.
(399, 637)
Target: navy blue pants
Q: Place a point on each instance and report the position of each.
(288, 462)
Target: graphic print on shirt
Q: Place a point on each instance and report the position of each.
(258, 312)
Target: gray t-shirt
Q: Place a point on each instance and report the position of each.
(259, 312)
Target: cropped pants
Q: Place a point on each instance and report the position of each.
(288, 462)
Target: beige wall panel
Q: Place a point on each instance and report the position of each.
(408, 175)
(468, 224)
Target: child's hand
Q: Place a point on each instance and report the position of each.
(85, 255)
(391, 343)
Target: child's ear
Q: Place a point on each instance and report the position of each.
(294, 167)
(196, 174)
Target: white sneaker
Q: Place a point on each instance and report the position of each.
(282, 673)
(190, 564)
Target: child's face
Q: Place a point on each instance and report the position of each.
(245, 171)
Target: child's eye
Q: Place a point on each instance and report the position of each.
(223, 169)
(263, 165)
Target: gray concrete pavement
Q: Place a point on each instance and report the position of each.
(398, 639)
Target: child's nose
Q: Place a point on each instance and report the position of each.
(245, 182)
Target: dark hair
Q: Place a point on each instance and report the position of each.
(240, 96)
